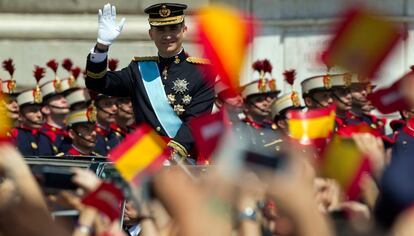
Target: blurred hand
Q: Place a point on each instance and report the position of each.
(8, 194)
(85, 179)
(69, 199)
(108, 29)
(373, 148)
(131, 214)
(328, 194)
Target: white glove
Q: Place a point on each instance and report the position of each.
(108, 30)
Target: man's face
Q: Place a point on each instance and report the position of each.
(320, 99)
(168, 39)
(106, 110)
(32, 116)
(83, 135)
(58, 105)
(125, 110)
(359, 94)
(342, 98)
(259, 104)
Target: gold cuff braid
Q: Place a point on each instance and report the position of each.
(178, 147)
(96, 75)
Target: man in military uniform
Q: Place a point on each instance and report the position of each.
(8, 87)
(361, 106)
(341, 95)
(316, 92)
(124, 120)
(186, 91)
(55, 109)
(79, 99)
(81, 126)
(106, 111)
(10, 99)
(28, 137)
(258, 96)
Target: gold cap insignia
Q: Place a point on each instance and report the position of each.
(164, 11)
(327, 81)
(295, 99)
(37, 95)
(11, 86)
(347, 79)
(58, 85)
(72, 82)
(272, 85)
(262, 85)
(91, 113)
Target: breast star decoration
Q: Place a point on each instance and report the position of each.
(180, 86)
(186, 99)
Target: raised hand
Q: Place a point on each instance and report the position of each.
(108, 29)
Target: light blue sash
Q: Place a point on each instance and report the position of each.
(155, 90)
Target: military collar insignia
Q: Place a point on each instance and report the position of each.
(197, 60)
(180, 86)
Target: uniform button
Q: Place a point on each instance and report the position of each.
(106, 139)
(108, 147)
(404, 142)
(261, 133)
(158, 129)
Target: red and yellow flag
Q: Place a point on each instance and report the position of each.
(224, 34)
(6, 123)
(312, 127)
(343, 162)
(140, 154)
(362, 42)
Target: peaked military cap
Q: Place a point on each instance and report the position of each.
(165, 14)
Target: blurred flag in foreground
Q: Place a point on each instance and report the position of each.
(207, 131)
(140, 154)
(391, 99)
(224, 34)
(362, 42)
(5, 121)
(343, 162)
(107, 199)
(313, 127)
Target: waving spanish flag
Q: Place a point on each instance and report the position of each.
(312, 127)
(343, 162)
(5, 122)
(362, 42)
(224, 34)
(140, 154)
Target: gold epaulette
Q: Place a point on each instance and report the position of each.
(197, 60)
(153, 58)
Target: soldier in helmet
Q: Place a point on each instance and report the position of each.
(8, 88)
(362, 107)
(258, 97)
(316, 92)
(79, 99)
(28, 137)
(55, 109)
(106, 111)
(124, 120)
(81, 128)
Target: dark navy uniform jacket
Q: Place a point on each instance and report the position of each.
(32, 142)
(105, 140)
(60, 139)
(199, 91)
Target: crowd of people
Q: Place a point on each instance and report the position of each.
(59, 119)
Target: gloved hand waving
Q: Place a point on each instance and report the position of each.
(108, 29)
